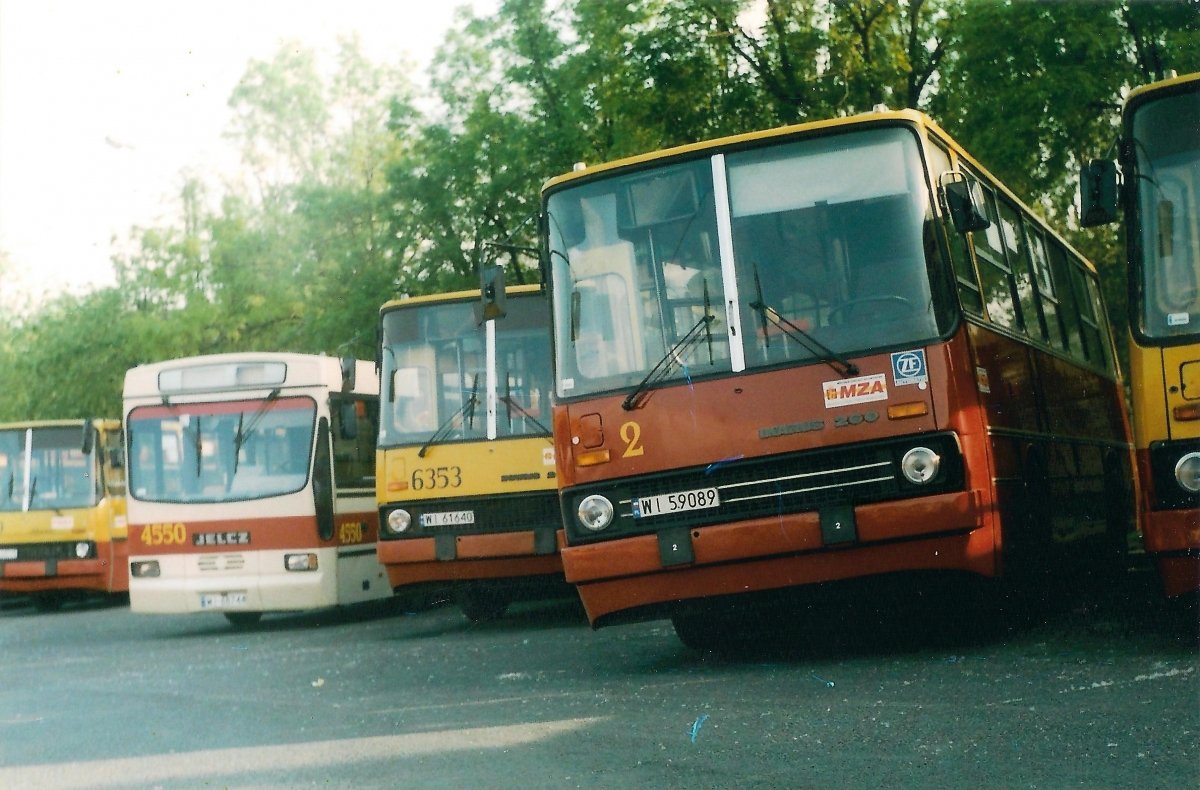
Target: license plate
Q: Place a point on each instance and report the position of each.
(222, 600)
(8, 554)
(679, 502)
(449, 519)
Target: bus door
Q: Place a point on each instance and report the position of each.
(110, 458)
(355, 519)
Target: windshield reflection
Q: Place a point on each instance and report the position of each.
(220, 452)
(1168, 182)
(50, 472)
(832, 248)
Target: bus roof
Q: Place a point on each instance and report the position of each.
(1137, 93)
(287, 370)
(455, 296)
(915, 117)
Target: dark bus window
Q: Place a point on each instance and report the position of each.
(1102, 341)
(1066, 294)
(1018, 263)
(960, 256)
(1087, 316)
(355, 426)
(1045, 285)
(989, 251)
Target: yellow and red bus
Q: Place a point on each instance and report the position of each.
(1160, 158)
(467, 489)
(778, 362)
(251, 484)
(62, 510)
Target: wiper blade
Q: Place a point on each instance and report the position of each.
(512, 404)
(844, 368)
(239, 437)
(467, 410)
(663, 369)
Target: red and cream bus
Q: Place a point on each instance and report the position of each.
(778, 362)
(252, 484)
(62, 510)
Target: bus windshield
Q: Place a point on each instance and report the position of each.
(435, 376)
(45, 469)
(832, 240)
(220, 452)
(1167, 147)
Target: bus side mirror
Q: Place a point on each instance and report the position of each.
(491, 287)
(116, 458)
(964, 212)
(349, 370)
(1098, 193)
(348, 420)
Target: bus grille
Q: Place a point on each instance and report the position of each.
(501, 513)
(221, 562)
(33, 552)
(773, 486)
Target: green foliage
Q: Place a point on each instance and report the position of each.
(352, 196)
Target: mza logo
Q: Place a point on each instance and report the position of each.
(908, 367)
(863, 389)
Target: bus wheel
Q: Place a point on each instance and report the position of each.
(243, 619)
(48, 601)
(702, 630)
(481, 603)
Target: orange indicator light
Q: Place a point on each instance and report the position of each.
(593, 458)
(903, 411)
(398, 485)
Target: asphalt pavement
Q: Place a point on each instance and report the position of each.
(1095, 690)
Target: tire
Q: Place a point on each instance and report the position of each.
(243, 619)
(482, 604)
(702, 631)
(48, 601)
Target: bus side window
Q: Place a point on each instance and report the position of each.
(994, 273)
(1087, 316)
(322, 483)
(355, 426)
(1045, 285)
(1060, 268)
(1104, 352)
(960, 256)
(1018, 264)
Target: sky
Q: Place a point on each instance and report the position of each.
(105, 103)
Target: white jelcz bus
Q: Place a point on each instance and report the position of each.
(252, 484)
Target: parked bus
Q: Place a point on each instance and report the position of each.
(1160, 158)
(62, 510)
(251, 484)
(466, 480)
(777, 364)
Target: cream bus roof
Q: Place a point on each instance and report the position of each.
(99, 423)
(245, 371)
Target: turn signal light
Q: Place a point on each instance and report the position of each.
(300, 562)
(593, 458)
(903, 411)
(1188, 412)
(398, 485)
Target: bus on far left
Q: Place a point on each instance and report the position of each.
(62, 510)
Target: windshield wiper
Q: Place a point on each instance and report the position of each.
(467, 409)
(512, 404)
(661, 370)
(239, 437)
(32, 492)
(844, 368)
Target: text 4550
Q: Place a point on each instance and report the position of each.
(163, 534)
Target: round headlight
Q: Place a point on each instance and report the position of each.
(399, 520)
(920, 465)
(595, 512)
(1187, 473)
(82, 549)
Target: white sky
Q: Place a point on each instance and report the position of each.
(153, 77)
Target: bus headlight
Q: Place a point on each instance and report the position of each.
(83, 549)
(1187, 473)
(595, 512)
(399, 520)
(920, 465)
(300, 562)
(145, 569)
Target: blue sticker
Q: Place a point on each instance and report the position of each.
(908, 367)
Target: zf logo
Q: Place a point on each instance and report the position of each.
(908, 367)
